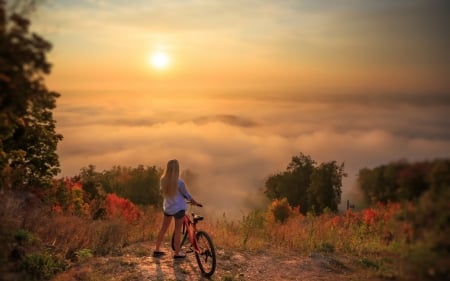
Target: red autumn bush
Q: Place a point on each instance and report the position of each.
(334, 222)
(118, 207)
(370, 216)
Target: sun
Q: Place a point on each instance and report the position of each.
(159, 60)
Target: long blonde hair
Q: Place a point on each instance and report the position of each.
(169, 179)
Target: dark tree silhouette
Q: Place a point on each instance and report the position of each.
(306, 185)
(325, 189)
(28, 140)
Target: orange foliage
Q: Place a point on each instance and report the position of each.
(76, 186)
(334, 221)
(120, 207)
(57, 209)
(351, 218)
(370, 216)
(281, 210)
(67, 196)
(380, 213)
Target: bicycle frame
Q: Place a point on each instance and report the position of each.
(190, 229)
(200, 243)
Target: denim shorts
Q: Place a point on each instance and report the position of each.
(177, 215)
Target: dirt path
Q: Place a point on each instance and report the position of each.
(136, 263)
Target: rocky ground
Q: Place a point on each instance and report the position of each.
(137, 263)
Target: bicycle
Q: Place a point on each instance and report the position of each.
(200, 243)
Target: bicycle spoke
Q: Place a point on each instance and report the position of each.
(206, 258)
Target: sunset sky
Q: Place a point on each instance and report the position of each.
(246, 85)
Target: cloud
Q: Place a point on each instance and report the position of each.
(229, 119)
(234, 144)
(256, 82)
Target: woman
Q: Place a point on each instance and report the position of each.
(175, 195)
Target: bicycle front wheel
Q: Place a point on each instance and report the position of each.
(206, 257)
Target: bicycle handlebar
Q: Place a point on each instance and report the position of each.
(195, 204)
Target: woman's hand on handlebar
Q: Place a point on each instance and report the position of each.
(193, 202)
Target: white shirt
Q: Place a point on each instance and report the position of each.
(178, 201)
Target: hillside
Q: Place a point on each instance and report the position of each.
(385, 242)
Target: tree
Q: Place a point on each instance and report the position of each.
(140, 185)
(380, 183)
(306, 185)
(298, 177)
(28, 140)
(399, 181)
(412, 180)
(325, 189)
(439, 176)
(143, 186)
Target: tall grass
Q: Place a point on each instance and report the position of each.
(394, 240)
(40, 241)
(405, 239)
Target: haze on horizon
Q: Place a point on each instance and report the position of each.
(249, 85)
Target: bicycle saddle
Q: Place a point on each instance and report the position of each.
(197, 218)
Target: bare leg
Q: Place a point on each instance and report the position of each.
(177, 236)
(162, 231)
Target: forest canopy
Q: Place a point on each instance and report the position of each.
(403, 181)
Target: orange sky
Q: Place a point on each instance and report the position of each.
(300, 45)
(250, 84)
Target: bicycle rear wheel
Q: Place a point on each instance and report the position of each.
(206, 258)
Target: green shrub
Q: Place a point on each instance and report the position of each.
(42, 266)
(368, 263)
(251, 225)
(84, 254)
(23, 236)
(326, 247)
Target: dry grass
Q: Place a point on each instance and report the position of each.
(382, 239)
(387, 240)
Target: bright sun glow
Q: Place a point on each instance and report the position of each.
(159, 60)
